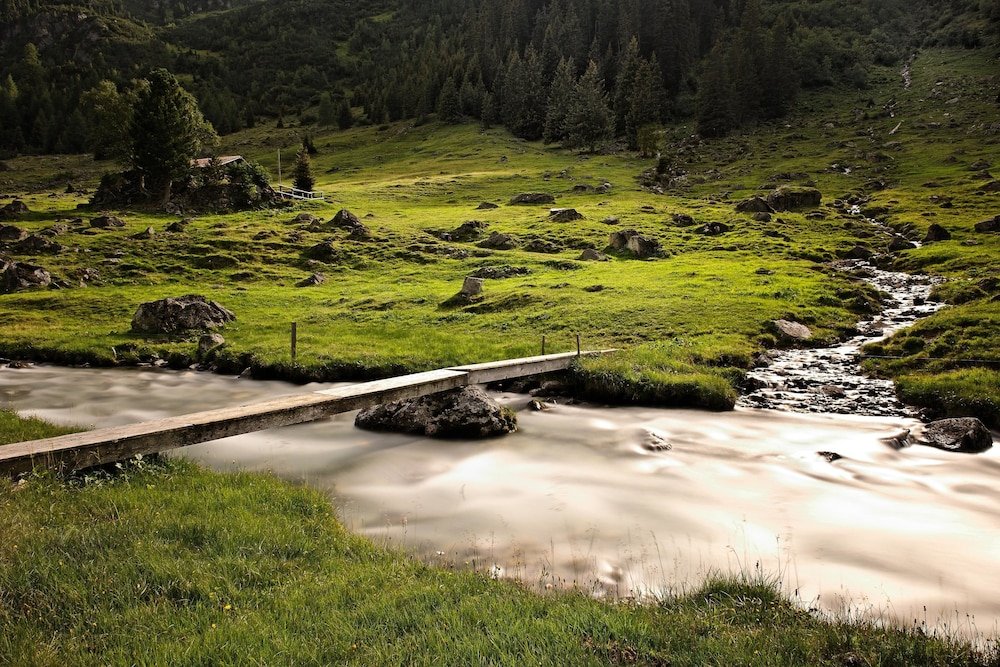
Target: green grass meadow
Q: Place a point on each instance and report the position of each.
(687, 323)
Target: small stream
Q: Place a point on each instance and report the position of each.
(829, 379)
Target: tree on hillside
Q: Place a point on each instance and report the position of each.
(326, 113)
(715, 94)
(449, 107)
(302, 174)
(345, 117)
(166, 131)
(561, 96)
(589, 121)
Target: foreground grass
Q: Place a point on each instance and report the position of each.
(688, 323)
(167, 563)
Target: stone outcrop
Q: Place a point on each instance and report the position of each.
(937, 233)
(186, 313)
(15, 276)
(984, 227)
(13, 210)
(790, 332)
(11, 234)
(499, 241)
(532, 199)
(468, 412)
(106, 222)
(629, 240)
(754, 205)
(793, 198)
(565, 215)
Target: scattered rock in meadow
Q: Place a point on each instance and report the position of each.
(346, 220)
(565, 215)
(106, 222)
(323, 251)
(471, 287)
(937, 233)
(11, 234)
(762, 216)
(793, 197)
(629, 240)
(499, 272)
(312, 281)
(470, 230)
(992, 186)
(499, 241)
(543, 246)
(790, 332)
(591, 255)
(683, 220)
(468, 412)
(13, 210)
(984, 227)
(209, 343)
(15, 276)
(966, 435)
(754, 205)
(486, 206)
(178, 225)
(187, 313)
(34, 244)
(305, 219)
(610, 220)
(532, 199)
(714, 229)
(147, 233)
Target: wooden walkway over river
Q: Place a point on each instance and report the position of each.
(107, 445)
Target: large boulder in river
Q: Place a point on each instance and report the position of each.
(794, 197)
(967, 435)
(468, 412)
(186, 313)
(16, 276)
(532, 199)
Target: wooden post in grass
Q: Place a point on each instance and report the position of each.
(295, 340)
(543, 346)
(578, 345)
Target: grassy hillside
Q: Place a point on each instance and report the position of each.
(688, 322)
(166, 563)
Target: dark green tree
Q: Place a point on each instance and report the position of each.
(108, 116)
(345, 117)
(167, 130)
(302, 174)
(488, 114)
(589, 121)
(327, 112)
(449, 107)
(715, 97)
(561, 95)
(645, 104)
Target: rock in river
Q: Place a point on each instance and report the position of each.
(967, 435)
(468, 412)
(793, 332)
(170, 315)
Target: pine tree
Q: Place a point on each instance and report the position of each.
(488, 114)
(628, 70)
(589, 121)
(449, 107)
(167, 130)
(302, 174)
(714, 115)
(561, 96)
(326, 113)
(345, 117)
(645, 104)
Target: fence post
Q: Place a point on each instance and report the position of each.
(578, 345)
(543, 346)
(295, 340)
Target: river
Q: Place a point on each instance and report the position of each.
(619, 501)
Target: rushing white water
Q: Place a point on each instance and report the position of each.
(624, 500)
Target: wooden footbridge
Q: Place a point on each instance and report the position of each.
(107, 445)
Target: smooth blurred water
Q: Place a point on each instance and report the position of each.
(623, 501)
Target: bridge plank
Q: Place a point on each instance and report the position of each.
(107, 445)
